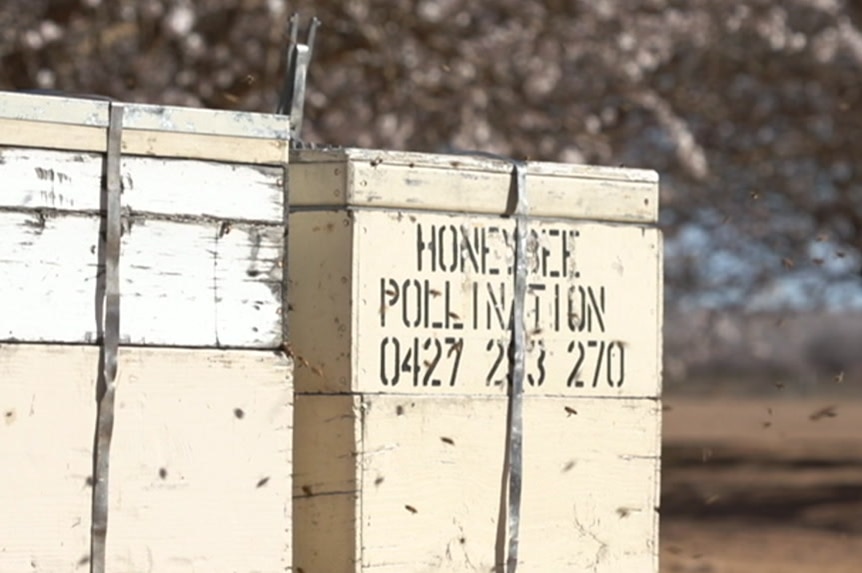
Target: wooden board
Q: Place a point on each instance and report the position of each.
(78, 124)
(424, 493)
(473, 184)
(181, 283)
(203, 244)
(94, 113)
(392, 301)
(400, 303)
(67, 181)
(200, 466)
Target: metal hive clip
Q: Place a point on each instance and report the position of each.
(292, 96)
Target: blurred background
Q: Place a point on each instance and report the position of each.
(751, 111)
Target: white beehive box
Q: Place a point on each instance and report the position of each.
(200, 461)
(400, 307)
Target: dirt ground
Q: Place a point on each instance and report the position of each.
(759, 485)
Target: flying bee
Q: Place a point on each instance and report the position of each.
(827, 412)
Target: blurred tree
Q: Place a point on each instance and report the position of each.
(748, 109)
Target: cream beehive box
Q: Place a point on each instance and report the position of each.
(200, 449)
(400, 305)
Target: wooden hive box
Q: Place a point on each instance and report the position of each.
(401, 309)
(200, 460)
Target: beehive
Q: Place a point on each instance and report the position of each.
(200, 461)
(400, 307)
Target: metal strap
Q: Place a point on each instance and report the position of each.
(110, 341)
(514, 446)
(292, 97)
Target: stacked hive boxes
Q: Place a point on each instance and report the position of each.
(400, 298)
(200, 461)
(401, 312)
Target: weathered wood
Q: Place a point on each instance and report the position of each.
(203, 244)
(53, 122)
(77, 111)
(23, 133)
(68, 181)
(212, 147)
(424, 491)
(191, 283)
(400, 309)
(475, 184)
(429, 297)
(200, 469)
(201, 461)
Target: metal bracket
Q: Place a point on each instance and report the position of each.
(518, 209)
(110, 340)
(292, 97)
(515, 433)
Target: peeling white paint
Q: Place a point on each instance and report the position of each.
(181, 283)
(71, 181)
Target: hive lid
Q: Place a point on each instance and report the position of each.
(56, 122)
(469, 183)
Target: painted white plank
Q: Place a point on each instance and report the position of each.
(26, 133)
(206, 121)
(63, 110)
(182, 284)
(472, 184)
(248, 275)
(69, 181)
(467, 187)
(228, 191)
(48, 414)
(432, 314)
(201, 463)
(469, 161)
(177, 411)
(592, 307)
(202, 146)
(429, 475)
(36, 179)
(53, 109)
